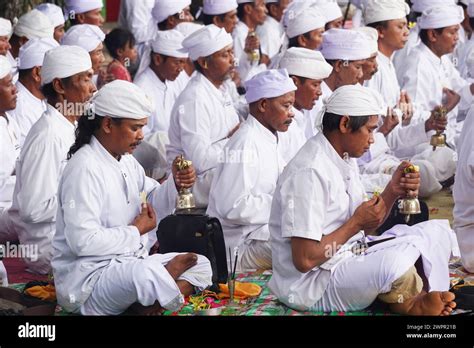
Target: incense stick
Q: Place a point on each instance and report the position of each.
(230, 263)
(235, 263)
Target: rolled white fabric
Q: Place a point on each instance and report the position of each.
(82, 6)
(187, 28)
(32, 53)
(330, 10)
(33, 25)
(5, 66)
(53, 12)
(87, 36)
(345, 44)
(64, 61)
(169, 43)
(165, 8)
(122, 99)
(441, 17)
(269, 84)
(385, 10)
(218, 7)
(206, 41)
(5, 27)
(306, 63)
(470, 9)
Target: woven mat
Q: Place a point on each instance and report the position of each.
(266, 304)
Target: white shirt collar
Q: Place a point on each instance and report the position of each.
(60, 118)
(264, 131)
(343, 165)
(433, 58)
(103, 153)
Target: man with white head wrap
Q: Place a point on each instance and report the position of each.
(85, 12)
(250, 62)
(66, 78)
(221, 13)
(345, 50)
(308, 69)
(31, 101)
(463, 192)
(31, 25)
(162, 76)
(332, 12)
(272, 32)
(319, 216)
(168, 14)
(56, 15)
(431, 79)
(203, 117)
(252, 162)
(113, 220)
(418, 7)
(5, 34)
(9, 148)
(89, 37)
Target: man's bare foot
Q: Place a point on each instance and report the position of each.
(139, 309)
(180, 264)
(435, 303)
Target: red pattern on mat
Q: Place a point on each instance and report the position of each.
(17, 272)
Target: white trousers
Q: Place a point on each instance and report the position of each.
(356, 282)
(465, 236)
(126, 281)
(3, 275)
(256, 254)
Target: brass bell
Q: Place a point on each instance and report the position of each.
(409, 206)
(439, 139)
(185, 199)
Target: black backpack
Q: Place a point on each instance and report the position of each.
(198, 233)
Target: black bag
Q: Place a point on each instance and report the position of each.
(197, 233)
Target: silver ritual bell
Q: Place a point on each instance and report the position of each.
(409, 206)
(185, 199)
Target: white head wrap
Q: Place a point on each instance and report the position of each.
(422, 5)
(207, 41)
(354, 101)
(64, 61)
(122, 99)
(33, 25)
(372, 35)
(470, 9)
(218, 7)
(187, 28)
(244, 1)
(82, 6)
(441, 17)
(5, 66)
(306, 63)
(269, 84)
(169, 43)
(385, 10)
(345, 44)
(301, 18)
(87, 36)
(32, 53)
(5, 27)
(271, 1)
(53, 12)
(165, 8)
(331, 10)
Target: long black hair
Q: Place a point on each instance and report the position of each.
(86, 127)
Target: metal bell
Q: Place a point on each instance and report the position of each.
(408, 207)
(438, 140)
(185, 200)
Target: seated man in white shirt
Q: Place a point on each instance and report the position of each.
(222, 13)
(162, 76)
(168, 14)
(31, 101)
(308, 69)
(107, 212)
(9, 148)
(321, 258)
(203, 117)
(56, 15)
(67, 84)
(252, 162)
